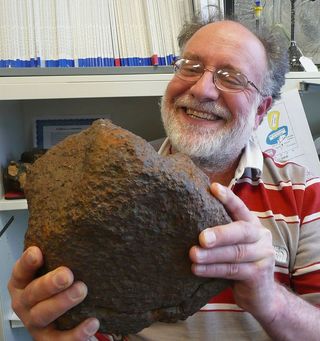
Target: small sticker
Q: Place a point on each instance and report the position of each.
(273, 119)
(277, 136)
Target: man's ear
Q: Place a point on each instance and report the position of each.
(263, 107)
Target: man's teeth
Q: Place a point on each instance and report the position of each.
(202, 115)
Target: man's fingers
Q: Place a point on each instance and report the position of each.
(82, 332)
(47, 286)
(236, 253)
(228, 271)
(25, 268)
(230, 234)
(39, 302)
(236, 271)
(86, 329)
(45, 312)
(233, 204)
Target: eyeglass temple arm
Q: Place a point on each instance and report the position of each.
(252, 84)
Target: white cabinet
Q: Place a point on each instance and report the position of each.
(131, 100)
(46, 87)
(310, 96)
(294, 79)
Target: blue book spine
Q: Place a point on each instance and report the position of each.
(170, 59)
(62, 63)
(162, 60)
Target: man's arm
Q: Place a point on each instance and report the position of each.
(242, 251)
(38, 302)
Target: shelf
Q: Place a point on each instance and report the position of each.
(11, 205)
(57, 84)
(15, 322)
(83, 86)
(84, 71)
(293, 79)
(302, 75)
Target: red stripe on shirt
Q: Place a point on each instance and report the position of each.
(311, 200)
(260, 199)
(307, 283)
(226, 296)
(102, 337)
(282, 278)
(286, 201)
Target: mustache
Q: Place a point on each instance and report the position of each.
(208, 107)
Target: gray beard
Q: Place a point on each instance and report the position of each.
(212, 151)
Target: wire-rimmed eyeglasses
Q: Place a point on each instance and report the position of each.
(225, 79)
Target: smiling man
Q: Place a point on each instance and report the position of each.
(210, 106)
(223, 85)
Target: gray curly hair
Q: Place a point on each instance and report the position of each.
(273, 42)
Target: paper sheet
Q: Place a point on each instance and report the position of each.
(285, 134)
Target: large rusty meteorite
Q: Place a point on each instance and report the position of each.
(123, 218)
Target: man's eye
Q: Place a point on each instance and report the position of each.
(231, 80)
(191, 70)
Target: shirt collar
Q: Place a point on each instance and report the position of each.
(251, 159)
(165, 148)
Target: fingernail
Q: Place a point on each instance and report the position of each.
(60, 279)
(31, 257)
(209, 237)
(92, 327)
(221, 190)
(201, 254)
(199, 269)
(79, 290)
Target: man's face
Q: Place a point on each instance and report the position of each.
(202, 121)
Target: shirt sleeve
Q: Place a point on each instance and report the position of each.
(306, 270)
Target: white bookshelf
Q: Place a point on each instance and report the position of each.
(13, 205)
(92, 86)
(293, 79)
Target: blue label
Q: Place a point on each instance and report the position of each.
(274, 136)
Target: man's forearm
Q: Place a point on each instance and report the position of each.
(295, 319)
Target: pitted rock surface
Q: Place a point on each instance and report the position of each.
(123, 219)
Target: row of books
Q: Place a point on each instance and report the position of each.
(92, 33)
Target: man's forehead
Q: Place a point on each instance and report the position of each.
(226, 36)
(226, 31)
(227, 28)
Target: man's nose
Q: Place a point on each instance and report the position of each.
(204, 89)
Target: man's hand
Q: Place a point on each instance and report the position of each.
(241, 251)
(38, 302)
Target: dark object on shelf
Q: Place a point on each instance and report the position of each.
(294, 52)
(14, 178)
(30, 156)
(229, 8)
(14, 175)
(123, 218)
(14, 195)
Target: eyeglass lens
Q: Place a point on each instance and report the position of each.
(225, 79)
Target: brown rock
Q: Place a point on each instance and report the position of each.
(123, 218)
